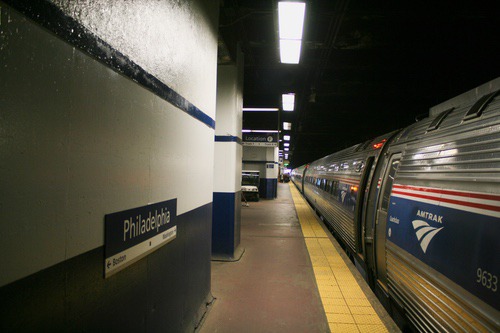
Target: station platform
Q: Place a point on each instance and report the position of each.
(292, 277)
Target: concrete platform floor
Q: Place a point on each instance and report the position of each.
(272, 288)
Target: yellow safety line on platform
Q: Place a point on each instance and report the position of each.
(346, 306)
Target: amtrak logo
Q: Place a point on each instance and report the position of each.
(425, 233)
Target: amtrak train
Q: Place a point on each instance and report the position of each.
(418, 212)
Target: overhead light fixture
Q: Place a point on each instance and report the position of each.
(286, 149)
(286, 156)
(286, 144)
(290, 51)
(259, 131)
(286, 137)
(291, 25)
(261, 109)
(288, 102)
(291, 19)
(287, 126)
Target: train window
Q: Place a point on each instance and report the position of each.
(335, 189)
(477, 109)
(438, 120)
(389, 179)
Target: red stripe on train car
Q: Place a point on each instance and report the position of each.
(451, 201)
(450, 192)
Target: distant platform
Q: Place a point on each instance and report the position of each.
(291, 278)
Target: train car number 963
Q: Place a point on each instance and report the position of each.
(487, 279)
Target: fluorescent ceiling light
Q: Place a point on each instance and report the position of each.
(290, 51)
(286, 137)
(259, 131)
(265, 131)
(291, 19)
(286, 149)
(260, 109)
(291, 25)
(286, 156)
(288, 102)
(286, 144)
(287, 126)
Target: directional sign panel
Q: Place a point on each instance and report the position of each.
(260, 139)
(132, 234)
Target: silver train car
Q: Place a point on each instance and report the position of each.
(418, 211)
(296, 176)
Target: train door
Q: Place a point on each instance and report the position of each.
(369, 214)
(303, 179)
(361, 203)
(381, 219)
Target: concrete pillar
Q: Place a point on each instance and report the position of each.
(265, 160)
(106, 108)
(227, 166)
(272, 171)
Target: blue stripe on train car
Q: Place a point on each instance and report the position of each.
(451, 232)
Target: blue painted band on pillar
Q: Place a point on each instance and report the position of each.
(268, 188)
(226, 221)
(227, 138)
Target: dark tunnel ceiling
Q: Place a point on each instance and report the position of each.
(373, 65)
